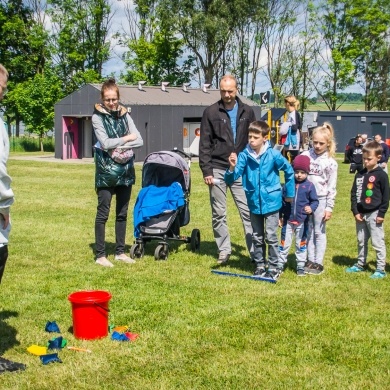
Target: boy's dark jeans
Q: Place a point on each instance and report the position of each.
(3, 259)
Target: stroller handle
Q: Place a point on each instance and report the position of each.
(183, 153)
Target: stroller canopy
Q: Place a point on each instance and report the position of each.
(164, 168)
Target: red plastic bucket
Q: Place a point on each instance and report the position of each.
(90, 314)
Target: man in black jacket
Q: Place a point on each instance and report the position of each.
(355, 155)
(224, 130)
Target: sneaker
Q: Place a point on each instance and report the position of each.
(259, 271)
(272, 274)
(223, 258)
(125, 259)
(355, 268)
(104, 262)
(301, 272)
(378, 275)
(8, 365)
(314, 269)
(309, 264)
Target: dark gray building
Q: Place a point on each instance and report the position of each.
(348, 124)
(165, 119)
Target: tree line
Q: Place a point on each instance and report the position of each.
(301, 47)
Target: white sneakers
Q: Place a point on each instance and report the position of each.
(107, 263)
(104, 262)
(124, 258)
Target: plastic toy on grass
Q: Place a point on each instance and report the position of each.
(258, 278)
(37, 350)
(50, 358)
(57, 343)
(52, 326)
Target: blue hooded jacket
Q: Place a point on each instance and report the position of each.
(260, 179)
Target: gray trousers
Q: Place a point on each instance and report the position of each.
(265, 230)
(316, 236)
(219, 211)
(366, 229)
(300, 251)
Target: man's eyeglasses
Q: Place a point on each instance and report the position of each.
(110, 100)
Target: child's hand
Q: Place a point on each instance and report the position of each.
(327, 216)
(288, 200)
(379, 220)
(308, 210)
(232, 160)
(280, 222)
(359, 218)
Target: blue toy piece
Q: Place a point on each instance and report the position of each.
(50, 358)
(258, 278)
(52, 327)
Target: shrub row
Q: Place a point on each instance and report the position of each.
(27, 144)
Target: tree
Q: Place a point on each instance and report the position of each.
(206, 27)
(277, 36)
(23, 50)
(156, 54)
(301, 56)
(35, 99)
(335, 59)
(80, 40)
(368, 22)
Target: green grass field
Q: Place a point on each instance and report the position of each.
(197, 330)
(349, 106)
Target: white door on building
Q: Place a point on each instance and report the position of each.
(191, 133)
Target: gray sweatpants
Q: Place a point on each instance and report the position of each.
(219, 211)
(265, 230)
(316, 236)
(366, 229)
(300, 251)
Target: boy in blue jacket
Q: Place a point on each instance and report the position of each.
(259, 166)
(294, 215)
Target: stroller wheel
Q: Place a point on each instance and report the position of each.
(161, 252)
(195, 240)
(137, 251)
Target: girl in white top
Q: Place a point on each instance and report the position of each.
(323, 174)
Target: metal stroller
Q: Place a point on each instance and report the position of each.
(162, 206)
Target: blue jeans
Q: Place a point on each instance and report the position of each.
(103, 210)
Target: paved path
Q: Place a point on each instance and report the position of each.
(50, 158)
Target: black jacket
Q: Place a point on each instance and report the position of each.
(370, 192)
(216, 135)
(355, 154)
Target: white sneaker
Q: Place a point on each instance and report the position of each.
(104, 262)
(124, 258)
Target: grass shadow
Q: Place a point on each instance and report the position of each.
(7, 333)
(346, 261)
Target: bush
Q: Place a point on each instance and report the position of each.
(30, 144)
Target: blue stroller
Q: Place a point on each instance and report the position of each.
(162, 205)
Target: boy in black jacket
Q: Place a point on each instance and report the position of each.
(369, 204)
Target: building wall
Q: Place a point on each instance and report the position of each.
(161, 126)
(348, 124)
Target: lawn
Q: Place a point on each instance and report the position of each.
(197, 330)
(348, 106)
